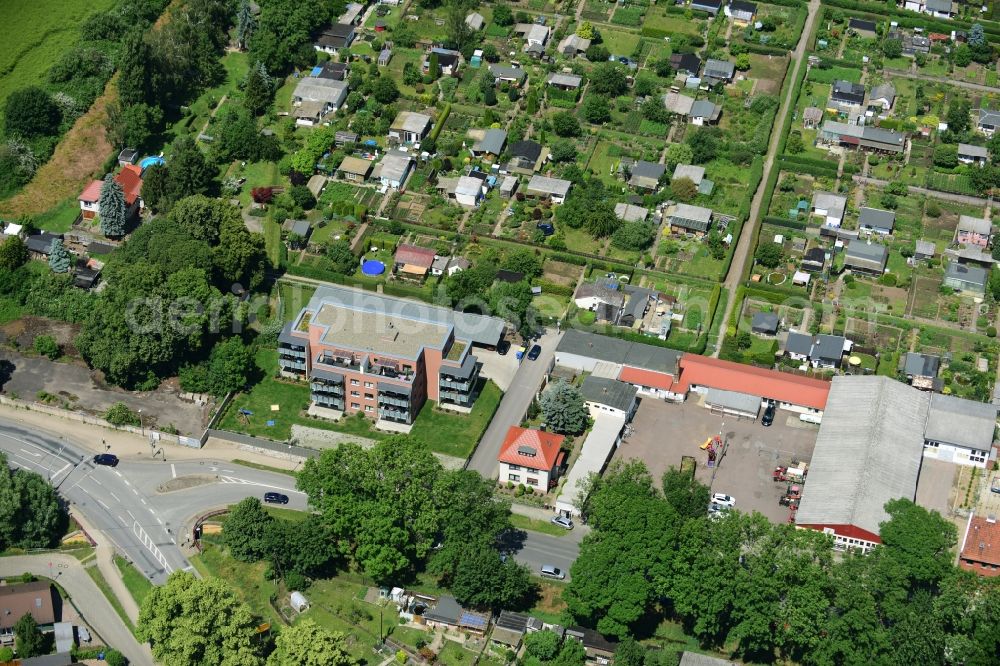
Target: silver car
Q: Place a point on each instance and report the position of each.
(562, 521)
(551, 571)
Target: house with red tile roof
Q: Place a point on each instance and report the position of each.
(531, 457)
(413, 260)
(792, 392)
(130, 180)
(981, 548)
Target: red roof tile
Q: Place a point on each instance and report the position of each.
(986, 534)
(130, 178)
(414, 255)
(729, 376)
(545, 444)
(92, 192)
(642, 377)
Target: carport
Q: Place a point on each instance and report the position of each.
(742, 405)
(596, 450)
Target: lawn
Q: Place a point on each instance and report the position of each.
(109, 594)
(36, 34)
(236, 66)
(246, 580)
(138, 585)
(293, 297)
(620, 43)
(59, 219)
(545, 527)
(457, 434)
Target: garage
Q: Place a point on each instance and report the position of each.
(734, 403)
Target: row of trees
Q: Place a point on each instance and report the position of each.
(776, 592)
(477, 288)
(31, 515)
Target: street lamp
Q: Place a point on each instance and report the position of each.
(141, 429)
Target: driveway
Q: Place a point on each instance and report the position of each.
(663, 432)
(514, 405)
(501, 369)
(89, 600)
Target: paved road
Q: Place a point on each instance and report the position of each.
(515, 403)
(537, 549)
(744, 247)
(92, 604)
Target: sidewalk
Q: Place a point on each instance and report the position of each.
(128, 446)
(105, 562)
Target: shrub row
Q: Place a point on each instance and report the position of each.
(908, 19)
(786, 222)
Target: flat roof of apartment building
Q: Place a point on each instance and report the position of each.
(378, 332)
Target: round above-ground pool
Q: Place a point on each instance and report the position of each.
(373, 267)
(150, 161)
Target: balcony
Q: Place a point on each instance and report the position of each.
(395, 401)
(328, 401)
(397, 416)
(463, 385)
(342, 361)
(463, 399)
(292, 365)
(327, 388)
(389, 372)
(291, 351)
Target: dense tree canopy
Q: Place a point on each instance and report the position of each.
(30, 112)
(31, 515)
(564, 408)
(307, 644)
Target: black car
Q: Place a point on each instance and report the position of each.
(275, 498)
(535, 352)
(503, 347)
(546, 228)
(768, 415)
(109, 459)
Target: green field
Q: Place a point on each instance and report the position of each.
(36, 34)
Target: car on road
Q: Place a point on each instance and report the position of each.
(768, 415)
(535, 352)
(109, 459)
(562, 521)
(275, 498)
(551, 571)
(723, 500)
(503, 347)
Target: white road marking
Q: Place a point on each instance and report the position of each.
(157, 517)
(143, 500)
(118, 473)
(106, 507)
(247, 482)
(32, 453)
(130, 514)
(114, 496)
(127, 483)
(124, 522)
(65, 467)
(151, 547)
(173, 470)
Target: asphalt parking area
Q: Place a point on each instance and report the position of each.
(501, 369)
(663, 432)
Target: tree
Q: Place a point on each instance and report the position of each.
(608, 78)
(563, 150)
(564, 409)
(132, 125)
(472, 283)
(341, 258)
(460, 34)
(46, 345)
(134, 58)
(229, 366)
(596, 110)
(245, 24)
(959, 118)
(13, 253)
(524, 261)
(585, 30)
(794, 145)
(704, 146)
(683, 492)
(31, 515)
(307, 644)
(597, 53)
(483, 580)
(512, 301)
(192, 621)
(384, 90)
(977, 36)
(683, 189)
(120, 414)
(630, 653)
(565, 124)
(155, 188)
(892, 48)
(743, 62)
(633, 236)
(962, 55)
(59, 257)
(542, 645)
(240, 256)
(112, 208)
(769, 255)
(502, 15)
(678, 153)
(245, 529)
(946, 155)
(257, 89)
(31, 112)
(29, 639)
(202, 218)
(6, 654)
(189, 171)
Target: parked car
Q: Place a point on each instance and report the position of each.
(546, 228)
(552, 571)
(275, 498)
(503, 347)
(109, 459)
(562, 521)
(995, 486)
(535, 352)
(768, 415)
(723, 500)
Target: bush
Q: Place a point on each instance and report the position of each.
(119, 414)
(991, 331)
(46, 345)
(296, 581)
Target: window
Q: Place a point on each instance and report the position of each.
(369, 385)
(354, 382)
(355, 394)
(355, 405)
(532, 482)
(513, 477)
(369, 408)
(369, 396)
(514, 467)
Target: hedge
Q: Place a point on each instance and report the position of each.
(796, 91)
(788, 3)
(763, 49)
(812, 167)
(786, 222)
(907, 19)
(555, 289)
(441, 121)
(772, 181)
(568, 259)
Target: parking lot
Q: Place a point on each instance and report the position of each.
(501, 369)
(663, 432)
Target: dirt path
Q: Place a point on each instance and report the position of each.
(743, 244)
(76, 160)
(204, 127)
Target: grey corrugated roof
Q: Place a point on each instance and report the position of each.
(591, 345)
(959, 421)
(798, 343)
(976, 225)
(868, 451)
(446, 610)
(702, 109)
(973, 151)
(989, 117)
(828, 347)
(743, 402)
(560, 79)
(719, 69)
(867, 251)
(695, 173)
(546, 185)
(492, 142)
(767, 321)
(976, 275)
(926, 247)
(644, 169)
(611, 392)
(651, 357)
(321, 90)
(695, 659)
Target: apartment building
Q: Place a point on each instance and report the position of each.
(383, 357)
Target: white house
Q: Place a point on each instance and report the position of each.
(830, 207)
(316, 98)
(959, 431)
(393, 169)
(531, 458)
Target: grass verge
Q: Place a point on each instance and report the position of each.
(138, 585)
(263, 468)
(545, 527)
(457, 434)
(105, 588)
